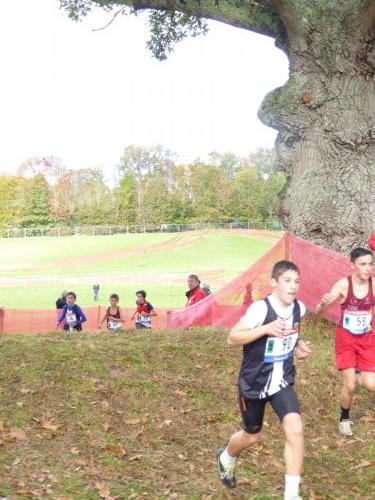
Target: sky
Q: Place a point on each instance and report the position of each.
(84, 95)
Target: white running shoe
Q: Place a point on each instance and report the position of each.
(345, 428)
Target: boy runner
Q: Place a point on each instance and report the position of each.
(269, 334)
(72, 314)
(113, 314)
(143, 312)
(355, 340)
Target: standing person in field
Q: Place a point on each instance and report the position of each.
(195, 292)
(355, 339)
(72, 315)
(95, 289)
(269, 335)
(144, 311)
(61, 301)
(113, 315)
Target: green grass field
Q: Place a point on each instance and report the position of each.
(33, 271)
(139, 415)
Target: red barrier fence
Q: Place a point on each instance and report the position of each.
(319, 267)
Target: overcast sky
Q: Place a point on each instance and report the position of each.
(84, 96)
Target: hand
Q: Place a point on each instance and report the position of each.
(276, 328)
(302, 351)
(325, 300)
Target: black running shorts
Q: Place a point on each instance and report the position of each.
(252, 410)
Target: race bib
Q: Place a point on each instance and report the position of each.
(114, 325)
(280, 348)
(70, 317)
(357, 322)
(144, 320)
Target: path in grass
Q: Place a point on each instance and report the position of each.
(139, 415)
(216, 256)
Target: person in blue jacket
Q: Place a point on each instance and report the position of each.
(72, 315)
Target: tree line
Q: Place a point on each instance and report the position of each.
(150, 187)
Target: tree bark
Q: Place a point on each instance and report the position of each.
(325, 113)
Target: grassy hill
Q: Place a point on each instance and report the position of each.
(139, 415)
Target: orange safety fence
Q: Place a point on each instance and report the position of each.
(319, 267)
(44, 321)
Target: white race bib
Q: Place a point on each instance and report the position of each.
(70, 317)
(144, 320)
(357, 322)
(114, 325)
(280, 348)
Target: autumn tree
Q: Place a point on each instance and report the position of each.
(325, 113)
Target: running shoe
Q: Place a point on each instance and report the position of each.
(225, 473)
(345, 428)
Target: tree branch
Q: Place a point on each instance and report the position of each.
(258, 16)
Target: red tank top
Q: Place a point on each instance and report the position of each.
(356, 314)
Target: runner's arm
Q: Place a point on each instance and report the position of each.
(62, 317)
(241, 334)
(82, 317)
(335, 294)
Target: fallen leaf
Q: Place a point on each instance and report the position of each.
(133, 421)
(368, 419)
(46, 424)
(74, 450)
(116, 450)
(362, 463)
(1, 426)
(244, 480)
(104, 405)
(135, 457)
(276, 463)
(16, 433)
(103, 490)
(314, 496)
(16, 462)
(24, 493)
(23, 390)
(106, 426)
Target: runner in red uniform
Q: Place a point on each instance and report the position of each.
(144, 311)
(355, 340)
(195, 292)
(113, 315)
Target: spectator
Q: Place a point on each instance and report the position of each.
(143, 312)
(371, 242)
(206, 287)
(72, 315)
(95, 289)
(195, 292)
(61, 301)
(248, 295)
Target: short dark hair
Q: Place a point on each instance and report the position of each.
(359, 252)
(114, 296)
(281, 267)
(72, 294)
(141, 292)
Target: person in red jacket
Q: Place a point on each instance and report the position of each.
(371, 242)
(195, 292)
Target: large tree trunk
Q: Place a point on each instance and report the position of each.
(325, 115)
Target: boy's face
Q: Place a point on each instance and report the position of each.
(113, 302)
(286, 286)
(140, 299)
(363, 266)
(70, 299)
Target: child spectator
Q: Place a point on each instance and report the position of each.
(72, 314)
(61, 301)
(113, 315)
(143, 312)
